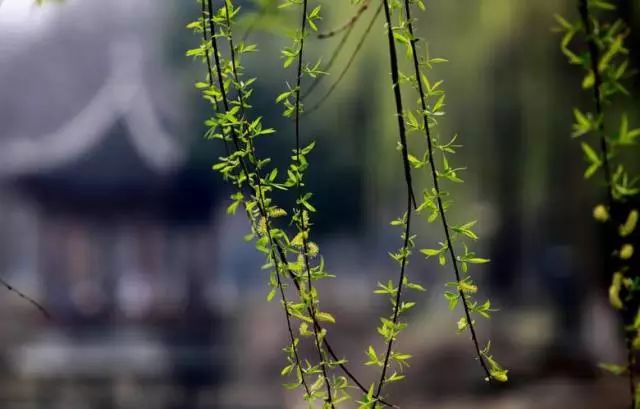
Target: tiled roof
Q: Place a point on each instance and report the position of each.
(71, 77)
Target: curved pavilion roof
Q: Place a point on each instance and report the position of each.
(73, 74)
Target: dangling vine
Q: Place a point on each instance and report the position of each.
(347, 66)
(601, 52)
(232, 127)
(431, 102)
(464, 286)
(296, 259)
(301, 214)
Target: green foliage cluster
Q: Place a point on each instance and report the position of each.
(284, 236)
(596, 42)
(290, 259)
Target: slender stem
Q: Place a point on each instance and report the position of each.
(349, 24)
(398, 299)
(332, 60)
(395, 78)
(225, 101)
(594, 55)
(205, 37)
(274, 244)
(292, 337)
(346, 68)
(301, 221)
(436, 185)
(25, 297)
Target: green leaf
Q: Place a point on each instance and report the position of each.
(430, 252)
(590, 154)
(477, 260)
(630, 224)
(325, 316)
(613, 368)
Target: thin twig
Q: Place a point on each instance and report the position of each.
(594, 56)
(332, 60)
(395, 78)
(205, 37)
(25, 297)
(352, 21)
(346, 68)
(398, 299)
(225, 101)
(436, 186)
(303, 227)
(278, 248)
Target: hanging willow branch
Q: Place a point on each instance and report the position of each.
(391, 328)
(240, 131)
(606, 62)
(349, 64)
(594, 54)
(292, 348)
(434, 201)
(349, 24)
(295, 259)
(334, 56)
(301, 217)
(438, 192)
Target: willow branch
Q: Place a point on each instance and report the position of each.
(395, 78)
(594, 55)
(303, 227)
(274, 244)
(225, 102)
(332, 60)
(349, 24)
(436, 185)
(28, 299)
(346, 68)
(398, 299)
